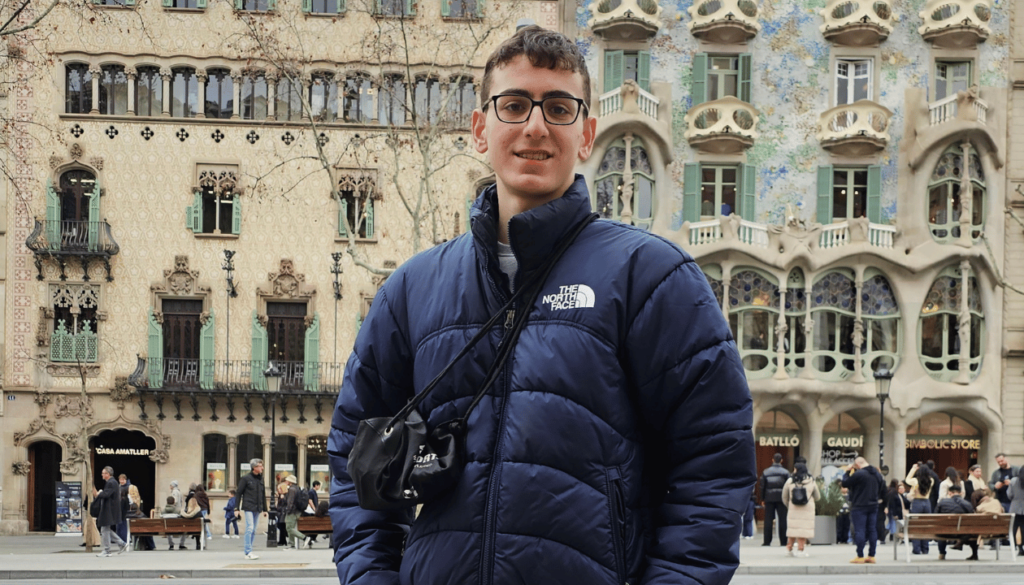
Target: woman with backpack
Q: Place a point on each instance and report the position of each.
(799, 495)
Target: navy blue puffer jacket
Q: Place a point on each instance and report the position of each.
(616, 445)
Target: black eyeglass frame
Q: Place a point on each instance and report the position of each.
(534, 103)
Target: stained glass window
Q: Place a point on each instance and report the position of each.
(608, 200)
(753, 312)
(881, 317)
(940, 339)
(833, 309)
(946, 196)
(714, 275)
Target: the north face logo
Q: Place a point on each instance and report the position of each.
(575, 296)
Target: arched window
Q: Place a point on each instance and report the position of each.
(289, 98)
(323, 97)
(113, 90)
(77, 88)
(392, 101)
(609, 181)
(358, 106)
(286, 458)
(713, 272)
(947, 193)
(941, 346)
(753, 312)
(215, 462)
(220, 94)
(462, 101)
(249, 447)
(795, 341)
(833, 309)
(184, 92)
(149, 90)
(254, 96)
(428, 100)
(881, 317)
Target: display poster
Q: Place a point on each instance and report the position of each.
(215, 476)
(321, 473)
(69, 508)
(283, 470)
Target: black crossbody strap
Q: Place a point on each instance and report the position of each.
(530, 291)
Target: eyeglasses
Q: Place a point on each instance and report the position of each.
(516, 109)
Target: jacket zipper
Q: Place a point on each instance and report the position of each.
(618, 518)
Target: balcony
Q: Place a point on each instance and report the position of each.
(87, 241)
(723, 21)
(232, 381)
(857, 23)
(965, 105)
(724, 126)
(857, 129)
(956, 24)
(629, 98)
(625, 20)
(711, 231)
(68, 346)
(837, 235)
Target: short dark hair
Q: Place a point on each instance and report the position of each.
(544, 48)
(231, 492)
(316, 484)
(954, 488)
(777, 458)
(170, 500)
(998, 455)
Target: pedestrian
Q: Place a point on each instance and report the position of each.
(953, 503)
(896, 506)
(799, 494)
(618, 439)
(175, 501)
(192, 510)
(252, 502)
(976, 481)
(122, 526)
(1000, 481)
(109, 516)
(843, 518)
(1016, 494)
(204, 509)
(314, 502)
(170, 511)
(920, 482)
(229, 516)
(280, 511)
(867, 487)
(176, 494)
(296, 499)
(773, 479)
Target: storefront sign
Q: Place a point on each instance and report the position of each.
(69, 508)
(778, 440)
(846, 441)
(101, 450)
(942, 443)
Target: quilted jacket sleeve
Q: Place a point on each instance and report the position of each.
(367, 544)
(693, 395)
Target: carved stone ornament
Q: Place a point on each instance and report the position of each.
(73, 454)
(222, 182)
(55, 161)
(180, 281)
(97, 162)
(288, 285)
(21, 467)
(76, 151)
(159, 456)
(73, 370)
(33, 428)
(121, 393)
(66, 405)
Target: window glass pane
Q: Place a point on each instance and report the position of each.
(730, 85)
(936, 423)
(215, 462)
(931, 336)
(219, 94)
(645, 189)
(289, 99)
(323, 98)
(463, 8)
(184, 92)
(113, 90)
(249, 447)
(842, 90)
(318, 468)
(630, 66)
(713, 92)
(78, 89)
(149, 89)
(254, 97)
(286, 458)
(324, 6)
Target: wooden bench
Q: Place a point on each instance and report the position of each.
(168, 527)
(953, 527)
(310, 525)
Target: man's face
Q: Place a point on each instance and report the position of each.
(258, 469)
(104, 475)
(1002, 462)
(122, 481)
(552, 150)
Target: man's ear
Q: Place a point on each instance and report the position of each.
(589, 134)
(478, 124)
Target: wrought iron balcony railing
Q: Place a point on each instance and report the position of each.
(856, 129)
(724, 126)
(88, 240)
(956, 24)
(723, 21)
(235, 376)
(857, 23)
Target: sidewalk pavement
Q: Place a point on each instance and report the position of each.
(39, 556)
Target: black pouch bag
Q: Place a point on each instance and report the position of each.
(395, 462)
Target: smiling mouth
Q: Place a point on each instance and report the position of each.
(533, 155)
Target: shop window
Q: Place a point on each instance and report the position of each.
(713, 272)
(946, 198)
(609, 200)
(358, 103)
(323, 97)
(220, 94)
(842, 423)
(753, 313)
(249, 447)
(254, 96)
(833, 310)
(77, 88)
(357, 196)
(289, 99)
(74, 337)
(428, 100)
(184, 92)
(392, 101)
(881, 316)
(941, 342)
(317, 466)
(286, 458)
(622, 65)
(149, 90)
(462, 8)
(794, 342)
(113, 90)
(215, 462)
(942, 424)
(719, 76)
(951, 77)
(845, 193)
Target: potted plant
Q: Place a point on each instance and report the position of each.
(825, 511)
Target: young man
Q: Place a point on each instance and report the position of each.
(252, 501)
(866, 485)
(955, 504)
(773, 479)
(1001, 478)
(616, 444)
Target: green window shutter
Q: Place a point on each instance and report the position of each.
(206, 342)
(271, 5)
(52, 216)
(188, 217)
(369, 218)
(825, 195)
(239, 4)
(691, 192)
(259, 353)
(379, 6)
(201, 4)
(875, 194)
(643, 70)
(236, 215)
(168, 3)
(746, 72)
(307, 5)
(699, 86)
(197, 212)
(341, 6)
(311, 369)
(480, 8)
(343, 217)
(612, 70)
(446, 7)
(156, 352)
(410, 7)
(748, 190)
(94, 216)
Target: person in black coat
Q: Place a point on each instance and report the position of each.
(772, 481)
(955, 504)
(109, 499)
(934, 495)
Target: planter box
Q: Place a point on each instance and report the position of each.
(824, 530)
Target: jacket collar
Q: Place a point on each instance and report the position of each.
(533, 233)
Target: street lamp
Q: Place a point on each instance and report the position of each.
(883, 378)
(273, 377)
(232, 292)
(336, 270)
